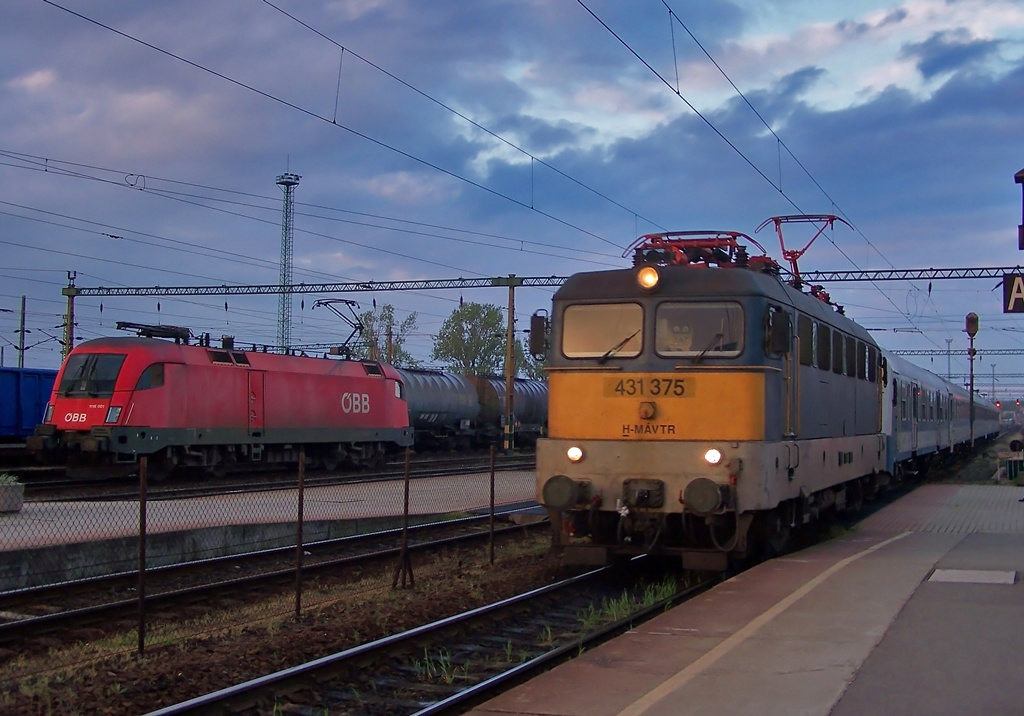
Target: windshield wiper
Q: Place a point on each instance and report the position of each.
(714, 339)
(74, 379)
(617, 346)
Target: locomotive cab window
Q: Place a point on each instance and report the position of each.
(698, 329)
(91, 374)
(603, 330)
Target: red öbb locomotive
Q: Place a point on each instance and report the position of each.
(117, 399)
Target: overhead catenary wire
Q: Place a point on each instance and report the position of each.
(779, 141)
(315, 115)
(725, 139)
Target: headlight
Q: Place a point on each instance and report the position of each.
(713, 456)
(113, 413)
(48, 415)
(574, 454)
(647, 277)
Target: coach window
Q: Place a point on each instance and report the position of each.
(824, 345)
(872, 363)
(152, 377)
(698, 329)
(837, 352)
(805, 332)
(603, 330)
(851, 356)
(862, 360)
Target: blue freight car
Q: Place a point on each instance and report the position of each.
(24, 393)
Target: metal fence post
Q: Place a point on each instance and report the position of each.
(143, 470)
(491, 538)
(298, 536)
(404, 567)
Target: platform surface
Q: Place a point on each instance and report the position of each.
(920, 610)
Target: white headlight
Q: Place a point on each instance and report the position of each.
(713, 457)
(113, 413)
(574, 454)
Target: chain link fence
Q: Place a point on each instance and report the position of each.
(158, 547)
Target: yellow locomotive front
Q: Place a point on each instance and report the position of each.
(672, 411)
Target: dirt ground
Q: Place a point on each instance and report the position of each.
(125, 684)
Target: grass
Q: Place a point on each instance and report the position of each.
(626, 604)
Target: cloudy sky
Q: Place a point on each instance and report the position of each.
(140, 144)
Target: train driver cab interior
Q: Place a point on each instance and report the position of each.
(603, 331)
(697, 329)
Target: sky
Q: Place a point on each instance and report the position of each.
(140, 144)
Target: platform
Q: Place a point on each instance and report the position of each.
(919, 610)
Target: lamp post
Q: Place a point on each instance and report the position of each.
(949, 370)
(972, 330)
(1019, 179)
(993, 397)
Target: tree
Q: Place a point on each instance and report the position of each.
(528, 367)
(383, 340)
(472, 340)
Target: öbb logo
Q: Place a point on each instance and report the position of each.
(74, 418)
(355, 402)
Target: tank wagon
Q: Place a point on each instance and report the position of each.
(181, 405)
(450, 411)
(702, 407)
(529, 406)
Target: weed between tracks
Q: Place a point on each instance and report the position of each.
(187, 657)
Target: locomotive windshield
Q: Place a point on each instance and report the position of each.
(91, 374)
(604, 330)
(698, 329)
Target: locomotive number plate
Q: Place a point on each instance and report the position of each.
(648, 387)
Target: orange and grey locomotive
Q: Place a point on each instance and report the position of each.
(702, 406)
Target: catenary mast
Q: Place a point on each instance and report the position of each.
(288, 182)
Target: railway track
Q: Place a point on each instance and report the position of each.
(443, 667)
(63, 613)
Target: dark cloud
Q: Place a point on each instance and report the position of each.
(928, 180)
(948, 52)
